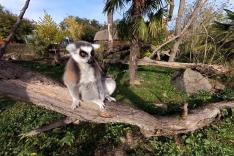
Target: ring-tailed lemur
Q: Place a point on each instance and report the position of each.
(83, 78)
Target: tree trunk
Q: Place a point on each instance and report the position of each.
(57, 57)
(110, 30)
(134, 50)
(171, 9)
(14, 28)
(21, 84)
(174, 50)
(178, 30)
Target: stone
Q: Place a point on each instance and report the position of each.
(217, 86)
(191, 81)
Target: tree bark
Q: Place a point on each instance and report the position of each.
(171, 9)
(134, 50)
(21, 84)
(14, 28)
(110, 30)
(178, 30)
(202, 68)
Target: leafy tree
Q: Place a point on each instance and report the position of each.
(135, 27)
(80, 28)
(72, 28)
(89, 32)
(46, 32)
(90, 28)
(7, 20)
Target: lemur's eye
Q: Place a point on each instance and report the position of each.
(83, 53)
(92, 53)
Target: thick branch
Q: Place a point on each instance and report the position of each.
(14, 28)
(22, 84)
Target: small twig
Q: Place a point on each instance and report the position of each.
(55, 124)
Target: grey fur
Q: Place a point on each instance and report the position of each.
(85, 81)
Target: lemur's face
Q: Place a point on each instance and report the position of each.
(82, 52)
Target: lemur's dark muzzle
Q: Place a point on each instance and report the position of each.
(91, 61)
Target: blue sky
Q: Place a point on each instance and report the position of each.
(58, 9)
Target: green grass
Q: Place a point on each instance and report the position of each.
(84, 139)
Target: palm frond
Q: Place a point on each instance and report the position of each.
(230, 14)
(152, 6)
(140, 29)
(222, 26)
(156, 24)
(123, 29)
(114, 5)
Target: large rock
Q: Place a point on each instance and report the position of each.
(191, 81)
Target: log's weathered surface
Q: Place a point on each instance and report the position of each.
(207, 69)
(25, 85)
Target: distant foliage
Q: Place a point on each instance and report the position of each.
(80, 28)
(7, 20)
(47, 29)
(226, 35)
(46, 32)
(72, 28)
(90, 28)
(208, 41)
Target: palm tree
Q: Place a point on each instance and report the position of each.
(134, 27)
(110, 27)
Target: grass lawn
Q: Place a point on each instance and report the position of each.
(89, 138)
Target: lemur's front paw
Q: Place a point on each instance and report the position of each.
(110, 99)
(101, 105)
(75, 104)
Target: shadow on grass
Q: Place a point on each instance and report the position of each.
(126, 92)
(5, 103)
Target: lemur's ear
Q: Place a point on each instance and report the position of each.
(96, 46)
(71, 47)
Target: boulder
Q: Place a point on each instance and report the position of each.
(191, 81)
(217, 86)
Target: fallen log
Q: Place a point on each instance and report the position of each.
(21, 84)
(207, 69)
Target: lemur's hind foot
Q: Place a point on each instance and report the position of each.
(75, 104)
(110, 99)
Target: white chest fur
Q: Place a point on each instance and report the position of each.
(87, 73)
